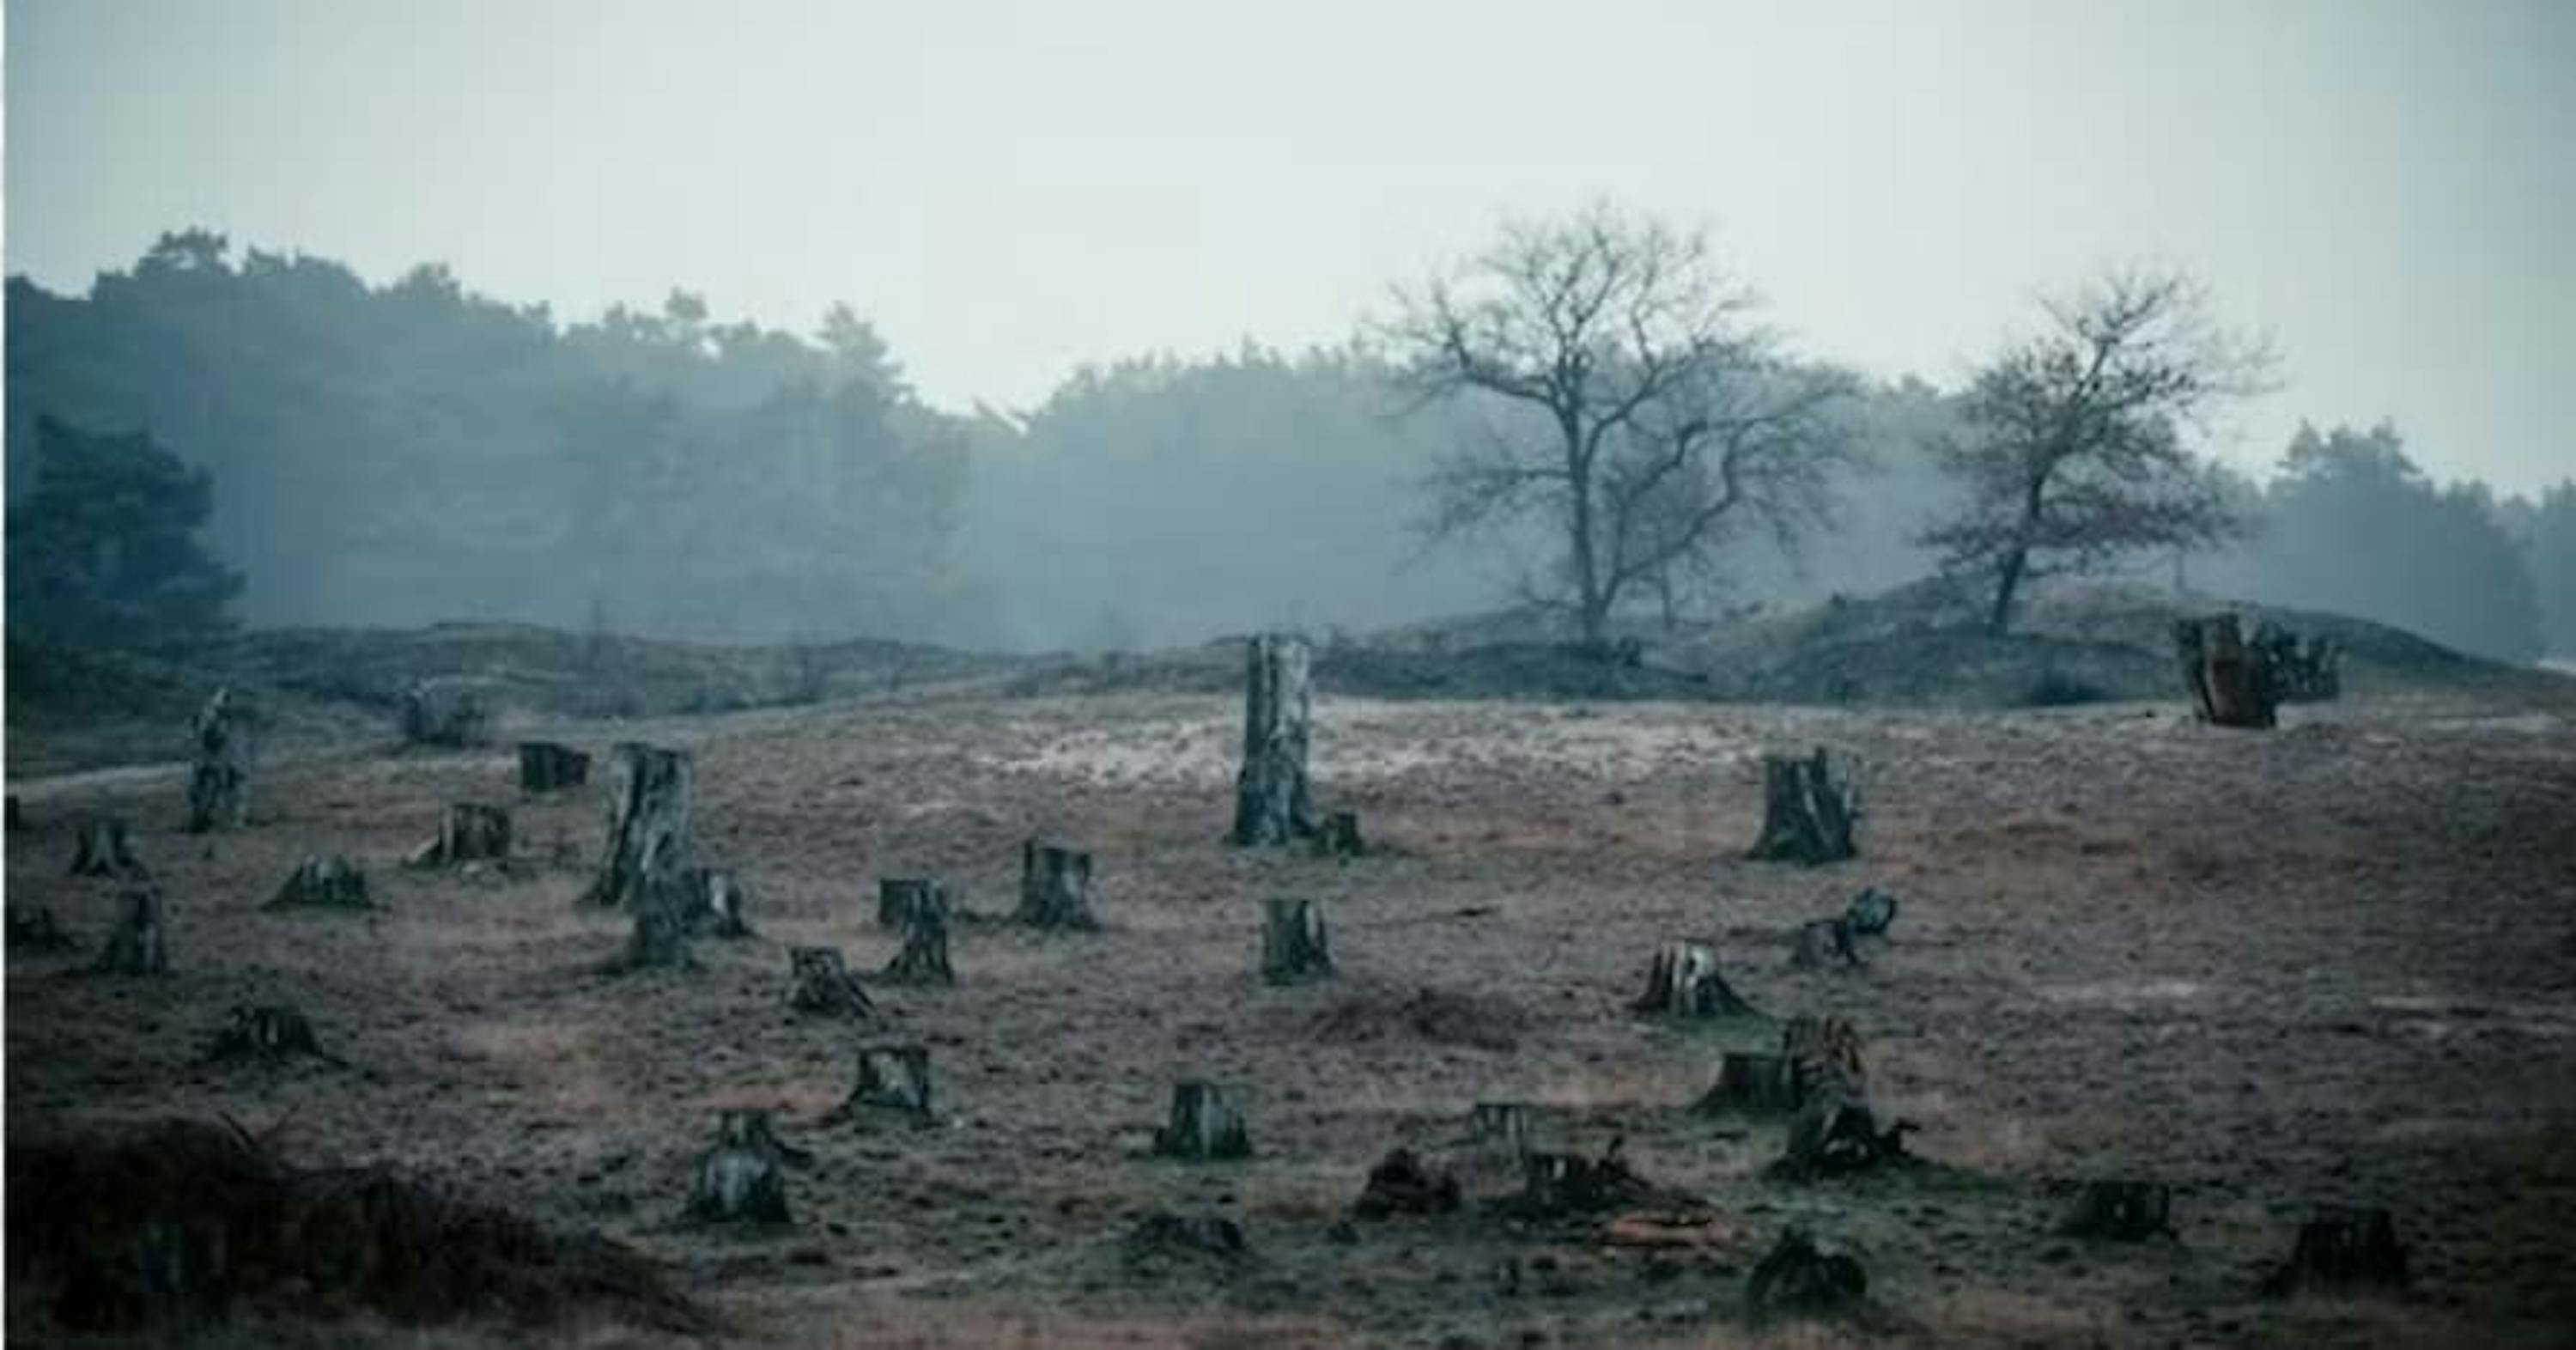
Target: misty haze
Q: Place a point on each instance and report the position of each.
(1151, 673)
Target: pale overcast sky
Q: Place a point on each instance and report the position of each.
(1009, 190)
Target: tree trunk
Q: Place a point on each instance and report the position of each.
(743, 1178)
(323, 883)
(2007, 581)
(2231, 686)
(1825, 944)
(1055, 887)
(2124, 1211)
(896, 897)
(923, 958)
(219, 779)
(1272, 801)
(1339, 836)
(105, 849)
(648, 823)
(824, 984)
(1683, 981)
(894, 1083)
(547, 767)
(2341, 1249)
(719, 903)
(267, 1033)
(1204, 1126)
(1807, 817)
(136, 946)
(469, 832)
(1293, 945)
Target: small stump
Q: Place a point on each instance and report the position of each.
(1503, 1126)
(547, 767)
(2343, 1249)
(743, 1178)
(1835, 1135)
(1204, 1126)
(469, 832)
(896, 897)
(104, 848)
(32, 931)
(1870, 912)
(1683, 981)
(219, 779)
(2124, 1211)
(323, 883)
(1055, 887)
(1825, 944)
(1339, 836)
(1403, 1183)
(266, 1034)
(2229, 686)
(1807, 816)
(923, 958)
(894, 1084)
(1798, 1276)
(1293, 943)
(719, 903)
(824, 984)
(137, 945)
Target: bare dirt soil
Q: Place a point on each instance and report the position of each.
(2332, 963)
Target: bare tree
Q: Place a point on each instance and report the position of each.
(2073, 443)
(1648, 416)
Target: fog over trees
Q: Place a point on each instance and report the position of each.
(414, 452)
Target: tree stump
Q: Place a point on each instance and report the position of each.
(1836, 1135)
(1293, 944)
(136, 945)
(1204, 1126)
(1272, 801)
(1824, 944)
(1683, 981)
(2341, 1249)
(1055, 887)
(897, 895)
(2124, 1211)
(266, 1033)
(743, 1178)
(1824, 1056)
(1870, 912)
(824, 984)
(1753, 1083)
(1807, 817)
(923, 958)
(2229, 686)
(648, 823)
(443, 712)
(1558, 1185)
(104, 849)
(1339, 836)
(33, 931)
(468, 832)
(894, 1083)
(323, 883)
(719, 903)
(219, 778)
(547, 767)
(1403, 1183)
(1500, 1125)
(1798, 1276)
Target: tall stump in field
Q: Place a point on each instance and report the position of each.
(1293, 945)
(648, 823)
(2230, 685)
(824, 984)
(1204, 1126)
(104, 848)
(1055, 887)
(924, 956)
(1683, 981)
(137, 945)
(219, 778)
(1272, 800)
(1807, 814)
(547, 767)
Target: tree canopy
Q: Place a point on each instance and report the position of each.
(103, 549)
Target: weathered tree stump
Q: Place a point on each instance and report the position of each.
(468, 832)
(266, 1033)
(1272, 801)
(1293, 942)
(1798, 1276)
(104, 848)
(719, 903)
(1204, 1126)
(1807, 816)
(1558, 1185)
(1824, 1056)
(896, 897)
(137, 944)
(1403, 1183)
(1753, 1083)
(2230, 687)
(743, 1178)
(2343, 1249)
(547, 767)
(1504, 1126)
(1825, 944)
(648, 823)
(1835, 1135)
(1339, 836)
(1683, 981)
(2125, 1211)
(323, 883)
(444, 712)
(923, 958)
(33, 931)
(1055, 887)
(219, 778)
(1870, 912)
(824, 984)
(894, 1083)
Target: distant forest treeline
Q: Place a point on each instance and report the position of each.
(413, 452)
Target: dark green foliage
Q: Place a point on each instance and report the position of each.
(103, 549)
(2057, 689)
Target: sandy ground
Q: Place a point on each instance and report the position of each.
(2336, 963)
